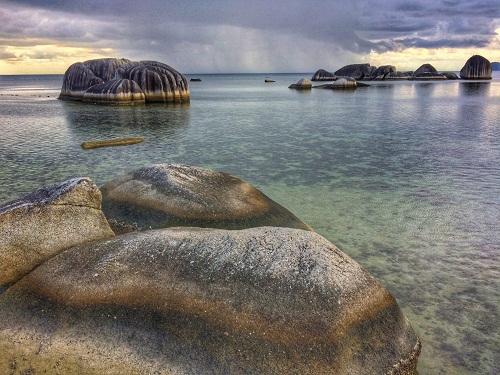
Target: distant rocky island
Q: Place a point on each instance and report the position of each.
(495, 66)
(477, 67)
(122, 81)
(85, 290)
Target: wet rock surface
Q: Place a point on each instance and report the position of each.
(42, 224)
(165, 195)
(189, 301)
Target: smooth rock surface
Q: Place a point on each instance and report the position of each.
(356, 71)
(323, 75)
(166, 195)
(302, 84)
(204, 301)
(47, 221)
(477, 67)
(124, 81)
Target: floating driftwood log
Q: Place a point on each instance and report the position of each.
(267, 80)
(112, 142)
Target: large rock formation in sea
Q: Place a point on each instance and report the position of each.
(123, 81)
(166, 195)
(477, 67)
(356, 71)
(323, 75)
(40, 225)
(204, 301)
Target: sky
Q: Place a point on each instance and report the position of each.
(227, 36)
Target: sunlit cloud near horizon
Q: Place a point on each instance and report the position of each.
(38, 37)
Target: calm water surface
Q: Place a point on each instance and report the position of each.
(403, 176)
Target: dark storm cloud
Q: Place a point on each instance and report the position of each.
(251, 30)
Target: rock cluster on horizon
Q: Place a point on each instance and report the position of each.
(477, 67)
(123, 81)
(186, 300)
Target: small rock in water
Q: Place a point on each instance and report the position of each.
(302, 84)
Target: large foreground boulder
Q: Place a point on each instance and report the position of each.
(356, 71)
(477, 67)
(323, 75)
(204, 301)
(124, 81)
(166, 195)
(47, 221)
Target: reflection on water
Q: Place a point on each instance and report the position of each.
(403, 176)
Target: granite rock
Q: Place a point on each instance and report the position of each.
(204, 301)
(477, 67)
(166, 195)
(42, 224)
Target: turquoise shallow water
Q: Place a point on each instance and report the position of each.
(402, 176)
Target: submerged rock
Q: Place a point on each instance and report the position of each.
(166, 195)
(323, 75)
(196, 301)
(477, 67)
(124, 81)
(356, 71)
(302, 84)
(47, 221)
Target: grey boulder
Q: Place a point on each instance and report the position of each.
(356, 71)
(302, 84)
(166, 195)
(204, 301)
(323, 75)
(476, 67)
(42, 224)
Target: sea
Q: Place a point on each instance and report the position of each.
(402, 176)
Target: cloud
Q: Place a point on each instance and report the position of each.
(257, 35)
